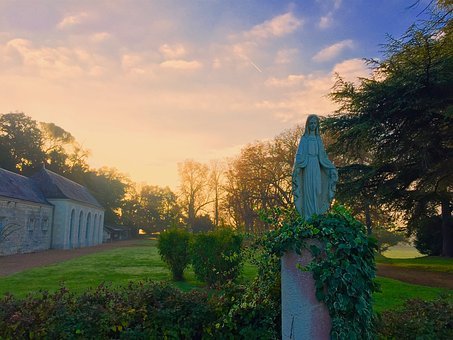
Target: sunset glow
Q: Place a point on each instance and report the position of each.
(145, 84)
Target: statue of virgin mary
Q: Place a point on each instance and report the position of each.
(314, 175)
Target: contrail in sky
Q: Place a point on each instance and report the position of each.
(255, 66)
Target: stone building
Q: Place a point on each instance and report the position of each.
(63, 213)
(25, 215)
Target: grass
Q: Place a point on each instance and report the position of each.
(427, 263)
(402, 251)
(121, 265)
(117, 266)
(394, 293)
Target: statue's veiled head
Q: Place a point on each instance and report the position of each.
(312, 125)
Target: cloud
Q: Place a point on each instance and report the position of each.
(325, 21)
(73, 20)
(184, 65)
(54, 62)
(276, 27)
(250, 49)
(352, 69)
(172, 51)
(336, 4)
(100, 37)
(286, 56)
(302, 94)
(333, 51)
(289, 81)
(134, 64)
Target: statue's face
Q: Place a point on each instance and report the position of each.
(312, 124)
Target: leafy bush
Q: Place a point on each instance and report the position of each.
(173, 246)
(418, 320)
(145, 310)
(217, 256)
(252, 311)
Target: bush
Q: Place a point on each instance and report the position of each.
(252, 311)
(217, 256)
(418, 320)
(173, 246)
(144, 310)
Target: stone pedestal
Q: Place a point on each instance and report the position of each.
(303, 316)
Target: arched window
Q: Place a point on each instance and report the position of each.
(88, 230)
(79, 233)
(101, 229)
(71, 228)
(95, 230)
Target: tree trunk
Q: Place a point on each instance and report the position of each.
(368, 223)
(447, 228)
(216, 208)
(191, 214)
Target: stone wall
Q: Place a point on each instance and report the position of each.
(76, 224)
(25, 226)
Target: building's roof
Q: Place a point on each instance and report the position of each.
(56, 186)
(19, 187)
(117, 228)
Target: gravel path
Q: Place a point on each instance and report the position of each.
(16, 263)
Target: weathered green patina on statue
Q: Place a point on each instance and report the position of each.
(314, 175)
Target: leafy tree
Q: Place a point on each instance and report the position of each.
(428, 235)
(20, 143)
(259, 179)
(159, 206)
(64, 154)
(202, 224)
(403, 116)
(109, 187)
(387, 238)
(151, 208)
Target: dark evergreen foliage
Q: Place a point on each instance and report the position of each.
(402, 117)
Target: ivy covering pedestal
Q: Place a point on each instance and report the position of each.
(342, 266)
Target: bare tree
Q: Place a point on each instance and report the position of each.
(194, 188)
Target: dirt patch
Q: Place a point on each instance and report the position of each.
(12, 264)
(417, 277)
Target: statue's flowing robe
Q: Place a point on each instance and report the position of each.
(313, 183)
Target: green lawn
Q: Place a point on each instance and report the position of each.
(117, 266)
(121, 265)
(429, 263)
(402, 251)
(394, 293)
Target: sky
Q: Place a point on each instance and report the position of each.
(147, 84)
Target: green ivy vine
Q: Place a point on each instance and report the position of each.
(343, 265)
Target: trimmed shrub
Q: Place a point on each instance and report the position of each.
(173, 246)
(418, 320)
(144, 310)
(217, 256)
